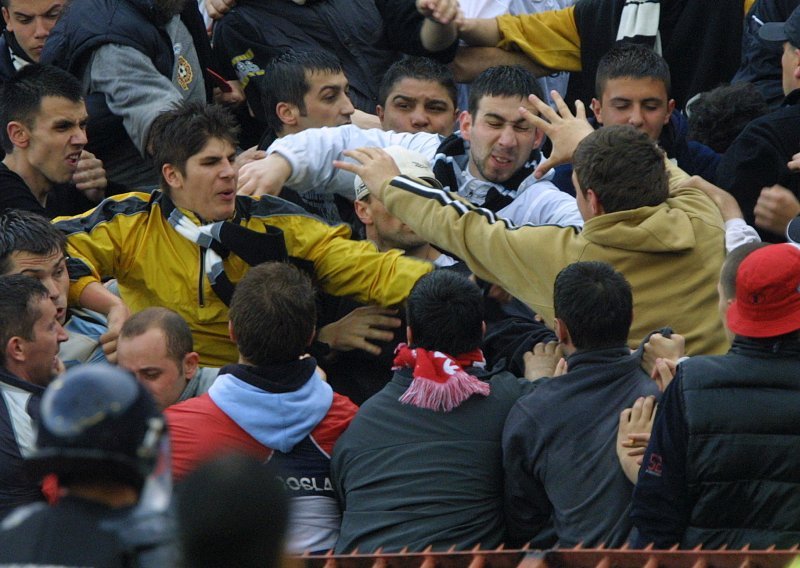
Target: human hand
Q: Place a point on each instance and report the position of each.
(59, 368)
(633, 434)
(663, 373)
(776, 206)
(264, 177)
(359, 327)
(564, 129)
(725, 202)
(794, 163)
(231, 99)
(249, 155)
(440, 11)
(90, 176)
(374, 166)
(117, 316)
(658, 346)
(218, 8)
(542, 360)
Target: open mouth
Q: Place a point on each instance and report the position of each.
(73, 159)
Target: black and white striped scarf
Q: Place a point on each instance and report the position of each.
(639, 23)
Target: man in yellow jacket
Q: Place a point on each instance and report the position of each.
(186, 246)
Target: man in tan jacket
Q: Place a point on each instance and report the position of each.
(666, 239)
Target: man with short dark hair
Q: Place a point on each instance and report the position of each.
(273, 404)
(43, 120)
(632, 86)
(418, 94)
(489, 161)
(29, 335)
(577, 413)
(420, 465)
(31, 245)
(299, 90)
(156, 345)
(27, 26)
(638, 217)
(721, 468)
(187, 245)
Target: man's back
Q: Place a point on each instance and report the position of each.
(559, 455)
(84, 533)
(722, 467)
(411, 477)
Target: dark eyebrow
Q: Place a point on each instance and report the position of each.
(494, 116)
(335, 88)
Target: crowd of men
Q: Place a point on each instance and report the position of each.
(347, 275)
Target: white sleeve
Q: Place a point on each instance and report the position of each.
(311, 153)
(543, 204)
(738, 233)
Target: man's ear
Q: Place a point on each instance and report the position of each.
(595, 205)
(18, 133)
(379, 112)
(190, 365)
(231, 333)
(670, 108)
(409, 335)
(561, 331)
(597, 109)
(538, 137)
(287, 113)
(465, 125)
(15, 349)
(172, 176)
(363, 212)
(6, 16)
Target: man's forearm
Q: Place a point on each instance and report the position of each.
(97, 297)
(472, 61)
(480, 32)
(437, 37)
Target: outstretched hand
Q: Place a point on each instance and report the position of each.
(564, 129)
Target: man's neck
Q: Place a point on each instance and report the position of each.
(36, 182)
(424, 252)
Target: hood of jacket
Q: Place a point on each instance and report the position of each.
(645, 229)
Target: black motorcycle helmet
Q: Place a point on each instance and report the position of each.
(97, 424)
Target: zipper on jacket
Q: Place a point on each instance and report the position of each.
(200, 296)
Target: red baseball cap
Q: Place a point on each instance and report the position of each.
(767, 293)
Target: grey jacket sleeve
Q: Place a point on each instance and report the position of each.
(134, 89)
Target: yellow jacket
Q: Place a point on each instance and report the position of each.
(128, 237)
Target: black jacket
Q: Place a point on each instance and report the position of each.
(722, 467)
(758, 158)
(367, 36)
